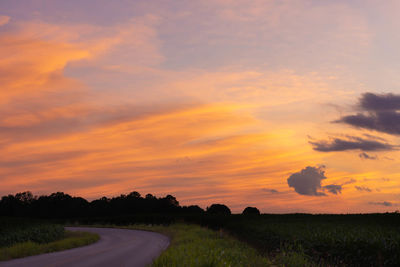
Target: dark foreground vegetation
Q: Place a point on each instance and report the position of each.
(325, 240)
(351, 240)
(18, 230)
(21, 237)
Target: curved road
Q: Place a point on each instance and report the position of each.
(116, 247)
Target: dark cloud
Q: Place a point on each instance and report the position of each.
(351, 181)
(364, 155)
(308, 181)
(383, 203)
(352, 143)
(379, 112)
(374, 137)
(379, 102)
(269, 190)
(363, 189)
(333, 188)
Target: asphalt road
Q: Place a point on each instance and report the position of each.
(116, 247)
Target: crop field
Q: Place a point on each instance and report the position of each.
(25, 237)
(18, 230)
(327, 240)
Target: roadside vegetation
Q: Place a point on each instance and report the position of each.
(192, 245)
(18, 230)
(20, 238)
(196, 246)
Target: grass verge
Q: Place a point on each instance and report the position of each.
(192, 245)
(72, 239)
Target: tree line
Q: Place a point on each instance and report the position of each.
(60, 205)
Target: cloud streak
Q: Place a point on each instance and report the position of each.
(352, 143)
(4, 20)
(383, 203)
(270, 190)
(333, 188)
(363, 189)
(364, 155)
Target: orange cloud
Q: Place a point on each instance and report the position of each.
(4, 20)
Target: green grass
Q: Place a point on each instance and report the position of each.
(192, 245)
(29, 248)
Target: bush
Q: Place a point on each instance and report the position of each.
(251, 211)
(219, 209)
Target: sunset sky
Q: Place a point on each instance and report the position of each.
(289, 106)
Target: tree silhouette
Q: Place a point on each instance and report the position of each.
(193, 209)
(218, 209)
(132, 208)
(251, 211)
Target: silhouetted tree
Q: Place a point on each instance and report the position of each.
(218, 209)
(9, 206)
(193, 209)
(134, 194)
(61, 205)
(171, 200)
(25, 197)
(251, 211)
(100, 207)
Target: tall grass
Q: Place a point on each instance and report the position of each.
(71, 240)
(192, 245)
(18, 230)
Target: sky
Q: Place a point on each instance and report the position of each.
(288, 106)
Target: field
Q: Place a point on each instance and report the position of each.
(283, 240)
(22, 237)
(17, 230)
(263, 240)
(327, 240)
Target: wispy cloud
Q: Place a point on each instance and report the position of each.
(4, 20)
(270, 190)
(383, 203)
(351, 143)
(364, 155)
(363, 189)
(333, 188)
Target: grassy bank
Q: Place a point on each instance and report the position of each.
(70, 240)
(192, 245)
